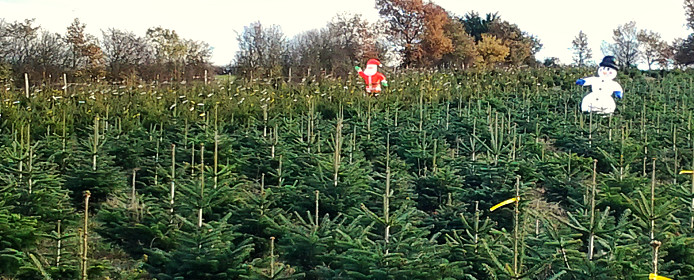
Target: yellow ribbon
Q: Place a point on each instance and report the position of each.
(505, 202)
(656, 277)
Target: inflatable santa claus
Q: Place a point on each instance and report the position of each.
(372, 77)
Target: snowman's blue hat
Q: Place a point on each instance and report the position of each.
(609, 61)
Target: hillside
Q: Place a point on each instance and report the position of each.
(267, 180)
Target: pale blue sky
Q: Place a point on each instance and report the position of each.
(555, 22)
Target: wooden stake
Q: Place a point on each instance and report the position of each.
(96, 141)
(202, 182)
(590, 130)
(448, 113)
(64, 84)
(275, 142)
(397, 107)
(60, 239)
(656, 245)
(317, 196)
(133, 194)
(609, 125)
(31, 159)
(652, 214)
(85, 246)
(433, 161)
(591, 238)
(216, 145)
(272, 257)
(26, 84)
(338, 149)
(192, 160)
(64, 129)
(516, 213)
(173, 179)
(477, 222)
(156, 162)
(265, 120)
(386, 195)
(279, 171)
(621, 158)
(421, 108)
(537, 219)
(674, 149)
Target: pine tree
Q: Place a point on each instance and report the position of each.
(269, 268)
(466, 242)
(17, 235)
(91, 168)
(213, 251)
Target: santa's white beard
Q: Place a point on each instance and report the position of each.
(370, 70)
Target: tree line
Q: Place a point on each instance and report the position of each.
(411, 33)
(117, 56)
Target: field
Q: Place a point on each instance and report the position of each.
(313, 180)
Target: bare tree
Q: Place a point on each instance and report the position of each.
(169, 50)
(123, 52)
(684, 48)
(49, 57)
(19, 40)
(626, 45)
(309, 50)
(4, 39)
(260, 50)
(684, 51)
(666, 56)
(197, 59)
(352, 40)
(405, 19)
(346, 41)
(582, 53)
(652, 47)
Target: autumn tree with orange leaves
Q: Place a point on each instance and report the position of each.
(435, 41)
(428, 36)
(419, 29)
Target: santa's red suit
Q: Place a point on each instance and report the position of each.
(372, 77)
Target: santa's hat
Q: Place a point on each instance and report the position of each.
(374, 61)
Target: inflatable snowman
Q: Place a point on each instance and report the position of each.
(372, 77)
(600, 100)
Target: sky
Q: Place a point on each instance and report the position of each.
(555, 22)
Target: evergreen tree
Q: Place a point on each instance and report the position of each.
(213, 251)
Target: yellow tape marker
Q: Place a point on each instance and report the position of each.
(656, 277)
(686, 171)
(505, 202)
